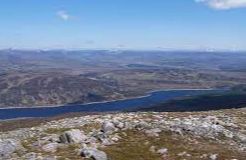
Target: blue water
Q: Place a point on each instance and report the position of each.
(120, 105)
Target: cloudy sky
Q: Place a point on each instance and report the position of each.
(127, 24)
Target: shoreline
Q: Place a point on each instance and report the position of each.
(147, 94)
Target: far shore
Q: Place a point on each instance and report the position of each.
(147, 94)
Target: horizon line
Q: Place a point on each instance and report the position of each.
(122, 49)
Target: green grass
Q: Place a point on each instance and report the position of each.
(135, 146)
(56, 130)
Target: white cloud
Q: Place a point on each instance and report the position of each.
(63, 15)
(224, 4)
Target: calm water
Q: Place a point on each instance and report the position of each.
(153, 98)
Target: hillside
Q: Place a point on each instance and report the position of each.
(200, 103)
(57, 77)
(43, 89)
(129, 136)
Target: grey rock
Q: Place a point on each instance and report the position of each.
(91, 140)
(162, 151)
(30, 156)
(108, 127)
(100, 136)
(51, 147)
(203, 156)
(49, 158)
(142, 125)
(53, 138)
(9, 146)
(73, 136)
(152, 149)
(127, 125)
(115, 138)
(241, 137)
(120, 125)
(183, 154)
(107, 142)
(94, 154)
(201, 127)
(213, 156)
(153, 132)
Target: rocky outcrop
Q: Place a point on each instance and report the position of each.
(90, 136)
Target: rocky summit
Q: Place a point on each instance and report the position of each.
(132, 136)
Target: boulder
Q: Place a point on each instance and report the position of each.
(73, 136)
(93, 153)
(108, 127)
(9, 146)
(50, 147)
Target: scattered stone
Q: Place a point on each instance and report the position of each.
(222, 129)
(213, 156)
(142, 125)
(53, 138)
(120, 125)
(182, 153)
(73, 136)
(153, 132)
(51, 147)
(162, 151)
(49, 158)
(30, 156)
(152, 149)
(107, 142)
(241, 137)
(9, 146)
(108, 127)
(115, 139)
(94, 154)
(146, 143)
(204, 156)
(188, 155)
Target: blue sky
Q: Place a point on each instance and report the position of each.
(126, 24)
